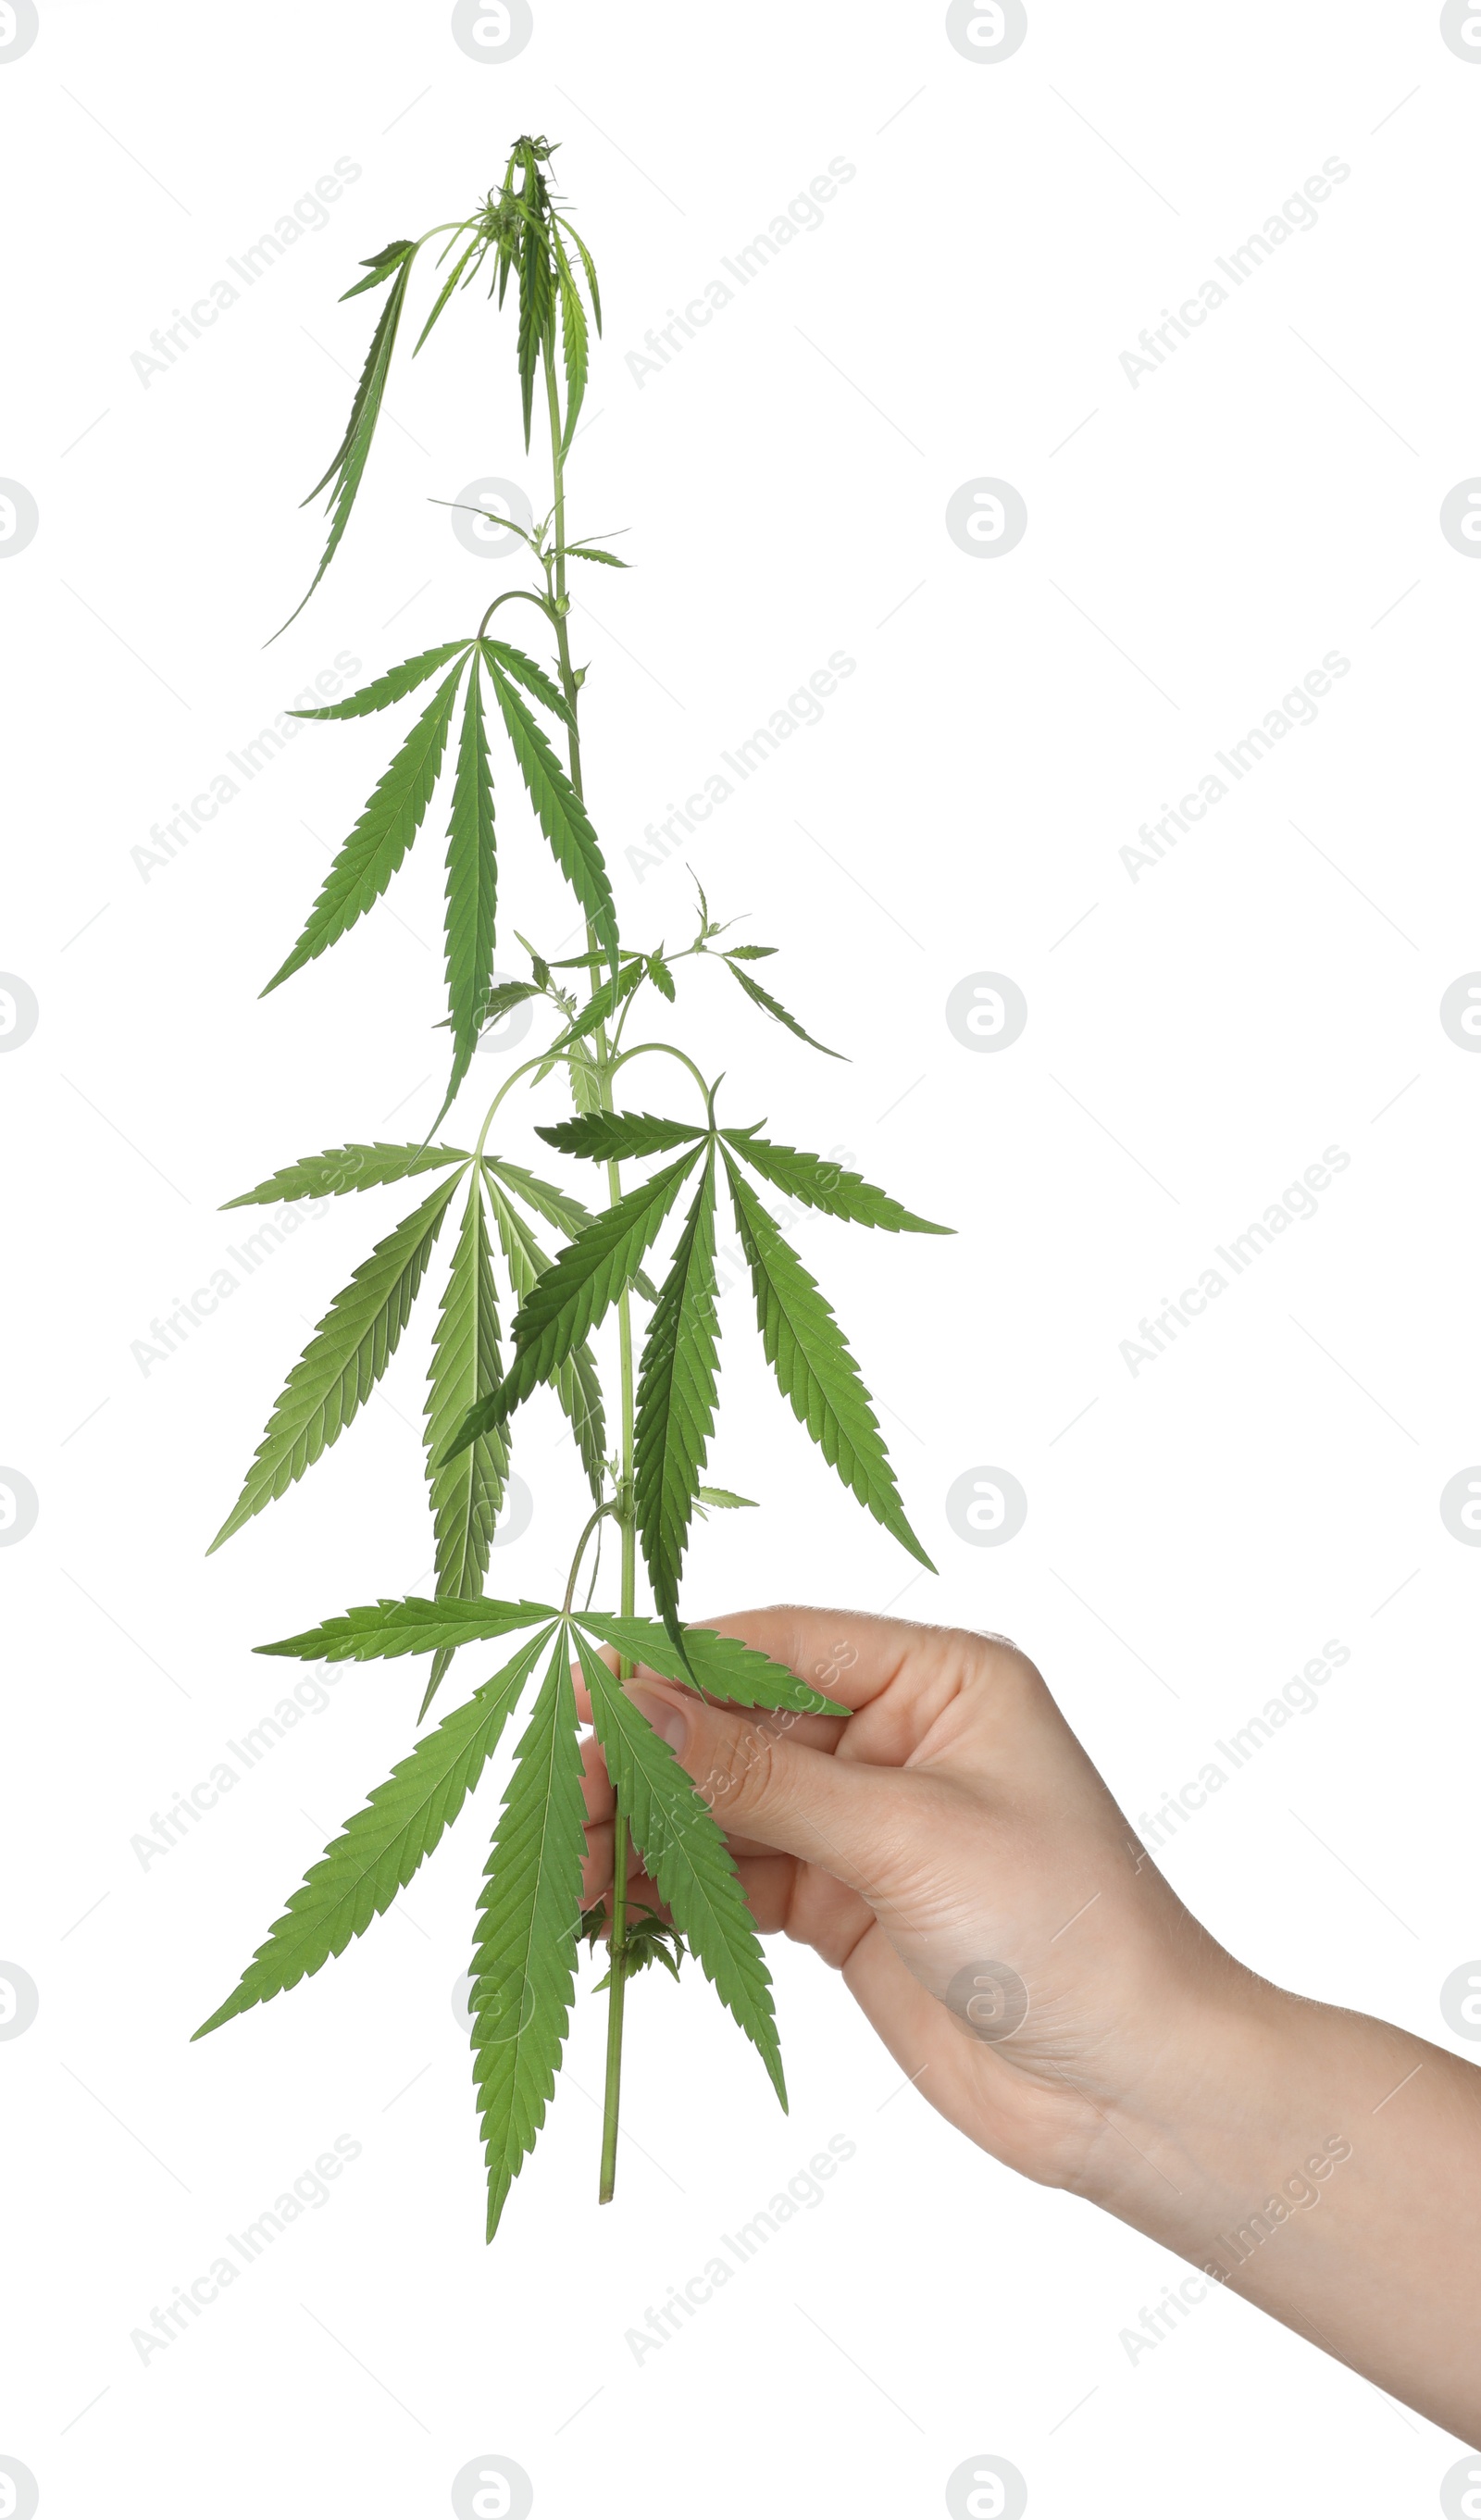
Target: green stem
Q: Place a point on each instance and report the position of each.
(665, 1050)
(617, 1942)
(513, 594)
(570, 1584)
(507, 1087)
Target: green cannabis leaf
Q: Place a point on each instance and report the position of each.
(826, 1185)
(377, 268)
(509, 994)
(721, 1666)
(391, 686)
(378, 1631)
(676, 1402)
(648, 1937)
(467, 1492)
(524, 1951)
(473, 884)
(358, 1877)
(609, 1137)
(534, 678)
(687, 1856)
(577, 1383)
(537, 297)
(704, 1497)
(382, 837)
(345, 1168)
(348, 470)
(573, 345)
(813, 1369)
(472, 255)
(600, 1008)
(778, 1013)
(571, 1297)
(343, 1361)
(587, 266)
(547, 1198)
(562, 817)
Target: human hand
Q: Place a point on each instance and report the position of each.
(952, 1850)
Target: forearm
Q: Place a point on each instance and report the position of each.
(1328, 2168)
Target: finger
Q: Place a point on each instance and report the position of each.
(596, 1784)
(862, 1823)
(864, 1663)
(806, 1904)
(847, 1654)
(597, 1863)
(578, 1682)
(769, 1882)
(596, 1873)
(600, 1800)
(820, 1732)
(600, 1836)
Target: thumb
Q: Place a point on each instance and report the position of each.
(853, 1821)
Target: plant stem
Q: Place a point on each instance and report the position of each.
(513, 595)
(617, 1931)
(611, 2099)
(665, 1050)
(593, 1521)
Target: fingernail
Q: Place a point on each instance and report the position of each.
(667, 1717)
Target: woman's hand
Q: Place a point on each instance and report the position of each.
(953, 1852)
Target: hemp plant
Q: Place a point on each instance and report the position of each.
(648, 1480)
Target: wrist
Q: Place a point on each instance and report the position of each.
(1228, 2120)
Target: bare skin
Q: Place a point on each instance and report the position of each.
(951, 1849)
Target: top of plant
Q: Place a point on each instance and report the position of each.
(529, 237)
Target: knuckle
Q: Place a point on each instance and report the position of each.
(1006, 1664)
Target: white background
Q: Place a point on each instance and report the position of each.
(1195, 1531)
